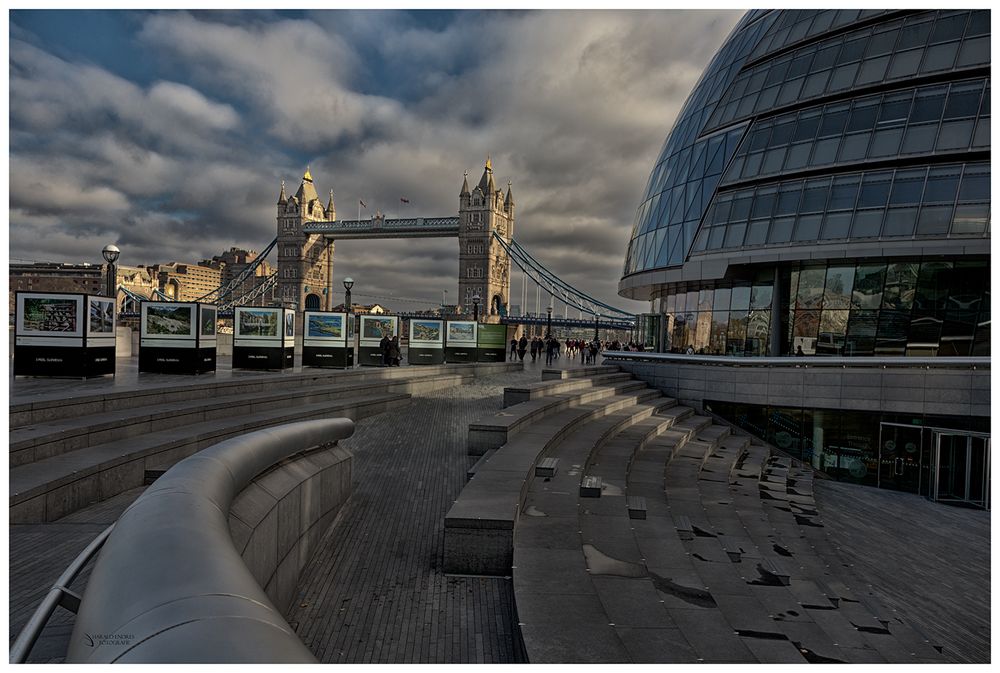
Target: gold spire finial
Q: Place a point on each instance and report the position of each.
(489, 164)
(307, 175)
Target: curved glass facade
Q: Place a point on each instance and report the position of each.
(817, 136)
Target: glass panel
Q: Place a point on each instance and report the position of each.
(740, 300)
(760, 296)
(844, 193)
(955, 135)
(734, 235)
(924, 336)
(804, 332)
(810, 288)
(832, 332)
(900, 285)
(755, 343)
(807, 228)
(867, 223)
(839, 283)
(868, 282)
(837, 225)
(722, 296)
(975, 185)
(919, 139)
(737, 332)
(717, 339)
(705, 297)
(788, 199)
(861, 330)
(781, 230)
(971, 219)
(934, 220)
(874, 190)
(900, 222)
(757, 234)
(932, 287)
(942, 185)
(893, 329)
(814, 196)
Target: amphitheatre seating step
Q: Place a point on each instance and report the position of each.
(547, 467)
(516, 394)
(479, 527)
(636, 506)
(51, 488)
(48, 406)
(590, 486)
(578, 372)
(483, 459)
(495, 431)
(44, 440)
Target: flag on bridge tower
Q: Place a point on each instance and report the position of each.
(404, 199)
(362, 203)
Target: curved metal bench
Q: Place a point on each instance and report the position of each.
(170, 587)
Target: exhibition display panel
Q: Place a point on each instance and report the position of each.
(263, 338)
(460, 341)
(177, 337)
(327, 339)
(491, 342)
(373, 328)
(426, 342)
(63, 334)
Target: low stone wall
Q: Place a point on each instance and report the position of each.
(952, 390)
(277, 521)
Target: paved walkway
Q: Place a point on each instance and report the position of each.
(375, 592)
(39, 553)
(929, 562)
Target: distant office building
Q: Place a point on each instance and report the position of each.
(825, 191)
(54, 277)
(186, 282)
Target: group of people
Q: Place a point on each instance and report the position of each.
(391, 354)
(552, 348)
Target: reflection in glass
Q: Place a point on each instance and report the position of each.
(868, 283)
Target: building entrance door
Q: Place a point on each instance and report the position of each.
(902, 461)
(961, 469)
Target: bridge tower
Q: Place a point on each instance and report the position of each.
(483, 264)
(305, 261)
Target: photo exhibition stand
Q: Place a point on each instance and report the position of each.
(263, 338)
(373, 328)
(492, 343)
(460, 341)
(177, 337)
(327, 339)
(426, 342)
(64, 334)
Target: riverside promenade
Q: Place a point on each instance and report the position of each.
(375, 592)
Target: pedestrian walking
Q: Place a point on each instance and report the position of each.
(395, 353)
(385, 346)
(513, 349)
(522, 347)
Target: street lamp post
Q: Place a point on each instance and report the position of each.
(348, 284)
(597, 322)
(548, 323)
(475, 306)
(111, 253)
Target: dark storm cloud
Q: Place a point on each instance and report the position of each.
(572, 106)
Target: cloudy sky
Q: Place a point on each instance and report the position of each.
(168, 133)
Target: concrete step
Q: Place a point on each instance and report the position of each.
(517, 394)
(496, 430)
(578, 372)
(46, 440)
(54, 487)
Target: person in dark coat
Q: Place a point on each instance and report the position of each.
(385, 345)
(513, 349)
(522, 347)
(395, 354)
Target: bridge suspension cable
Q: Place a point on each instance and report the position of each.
(556, 287)
(221, 294)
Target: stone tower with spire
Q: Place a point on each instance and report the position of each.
(305, 262)
(483, 264)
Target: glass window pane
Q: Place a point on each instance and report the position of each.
(928, 105)
(933, 288)
(832, 331)
(955, 135)
(837, 225)
(900, 285)
(722, 298)
(919, 139)
(939, 57)
(934, 220)
(720, 326)
(975, 187)
(885, 143)
(874, 190)
(810, 289)
(740, 298)
(924, 336)
(734, 235)
(893, 329)
(781, 230)
(782, 132)
(872, 70)
(757, 233)
(899, 222)
(914, 34)
(716, 236)
(863, 116)
(807, 227)
(854, 146)
(773, 159)
(844, 193)
(806, 127)
(867, 223)
(974, 52)
(971, 219)
(839, 283)
(905, 63)
(868, 282)
(788, 199)
(825, 151)
(894, 110)
(842, 77)
(741, 206)
(764, 203)
(948, 28)
(833, 123)
(737, 332)
(852, 50)
(825, 57)
(814, 196)
(942, 187)
(882, 42)
(963, 101)
(861, 330)
(805, 330)
(760, 295)
(906, 191)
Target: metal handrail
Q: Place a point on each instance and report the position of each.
(806, 361)
(58, 595)
(170, 586)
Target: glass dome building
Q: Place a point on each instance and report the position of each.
(825, 192)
